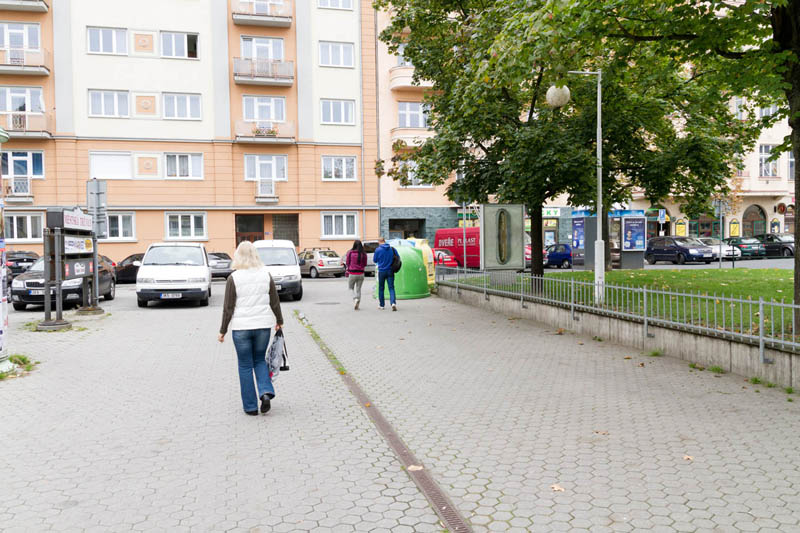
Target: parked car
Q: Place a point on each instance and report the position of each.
(558, 255)
(280, 257)
(777, 244)
(728, 251)
(749, 246)
(678, 250)
(127, 269)
(28, 287)
(18, 262)
(220, 263)
(444, 257)
(369, 249)
(173, 271)
(320, 261)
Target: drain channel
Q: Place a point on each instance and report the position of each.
(444, 508)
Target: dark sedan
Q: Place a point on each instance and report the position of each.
(19, 261)
(678, 250)
(220, 264)
(777, 244)
(28, 288)
(126, 269)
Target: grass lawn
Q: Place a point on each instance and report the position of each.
(769, 284)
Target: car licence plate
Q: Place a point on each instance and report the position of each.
(36, 292)
(170, 295)
(706, 255)
(277, 287)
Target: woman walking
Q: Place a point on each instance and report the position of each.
(251, 309)
(355, 261)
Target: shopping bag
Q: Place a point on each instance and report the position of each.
(277, 357)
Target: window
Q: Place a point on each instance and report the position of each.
(412, 115)
(181, 106)
(18, 37)
(184, 166)
(413, 181)
(401, 59)
(338, 168)
(22, 165)
(110, 165)
(23, 227)
(339, 225)
(739, 109)
(182, 45)
(262, 48)
(121, 226)
(258, 167)
(108, 104)
(264, 109)
(338, 112)
(335, 54)
(768, 111)
(186, 225)
(766, 169)
(336, 4)
(21, 100)
(108, 41)
(791, 165)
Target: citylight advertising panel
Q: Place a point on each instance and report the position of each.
(633, 234)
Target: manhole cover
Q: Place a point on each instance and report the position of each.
(328, 303)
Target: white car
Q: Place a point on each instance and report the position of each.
(280, 257)
(173, 271)
(728, 251)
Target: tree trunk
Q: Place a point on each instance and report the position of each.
(537, 242)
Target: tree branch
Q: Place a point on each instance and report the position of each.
(535, 93)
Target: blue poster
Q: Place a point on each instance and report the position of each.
(577, 233)
(633, 234)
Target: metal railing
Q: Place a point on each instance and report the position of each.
(19, 186)
(264, 128)
(266, 8)
(25, 122)
(768, 324)
(263, 68)
(265, 188)
(23, 58)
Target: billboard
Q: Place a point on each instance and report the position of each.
(633, 234)
(502, 237)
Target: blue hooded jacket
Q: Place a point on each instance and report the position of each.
(383, 258)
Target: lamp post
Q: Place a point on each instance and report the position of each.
(5, 364)
(558, 97)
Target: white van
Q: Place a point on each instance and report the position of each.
(280, 257)
(173, 271)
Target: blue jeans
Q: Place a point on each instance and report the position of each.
(251, 350)
(383, 277)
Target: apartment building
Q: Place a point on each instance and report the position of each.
(210, 120)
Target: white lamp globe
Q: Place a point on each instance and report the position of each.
(557, 96)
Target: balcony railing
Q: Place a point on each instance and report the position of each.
(265, 190)
(263, 72)
(24, 62)
(402, 79)
(18, 189)
(26, 125)
(265, 132)
(276, 13)
(411, 136)
(38, 6)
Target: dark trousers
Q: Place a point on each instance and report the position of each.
(383, 277)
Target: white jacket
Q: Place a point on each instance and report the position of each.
(252, 309)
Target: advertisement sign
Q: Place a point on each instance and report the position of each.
(502, 232)
(577, 232)
(734, 228)
(775, 226)
(78, 268)
(77, 245)
(551, 212)
(680, 228)
(662, 216)
(633, 234)
(77, 220)
(549, 237)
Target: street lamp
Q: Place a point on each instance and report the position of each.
(558, 97)
(5, 364)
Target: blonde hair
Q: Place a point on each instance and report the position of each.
(246, 256)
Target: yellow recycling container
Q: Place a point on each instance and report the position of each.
(427, 256)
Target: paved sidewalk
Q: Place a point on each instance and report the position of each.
(136, 424)
(528, 430)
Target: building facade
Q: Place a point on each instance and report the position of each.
(213, 121)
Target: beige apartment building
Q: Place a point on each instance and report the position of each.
(210, 120)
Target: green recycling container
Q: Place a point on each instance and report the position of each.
(411, 281)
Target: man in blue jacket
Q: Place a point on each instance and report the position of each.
(383, 258)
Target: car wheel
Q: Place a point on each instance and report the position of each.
(298, 295)
(112, 291)
(565, 263)
(20, 307)
(787, 252)
(141, 303)
(313, 274)
(708, 262)
(681, 259)
(650, 259)
(204, 302)
(339, 275)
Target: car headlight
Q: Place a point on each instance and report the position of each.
(18, 284)
(197, 280)
(145, 280)
(72, 282)
(292, 277)
(694, 251)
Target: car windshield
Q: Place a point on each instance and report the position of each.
(219, 257)
(38, 266)
(444, 252)
(277, 256)
(174, 255)
(710, 241)
(370, 247)
(686, 241)
(785, 238)
(328, 253)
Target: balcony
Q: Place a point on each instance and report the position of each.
(265, 191)
(24, 62)
(262, 13)
(19, 190)
(264, 132)
(402, 79)
(263, 72)
(27, 125)
(411, 136)
(37, 6)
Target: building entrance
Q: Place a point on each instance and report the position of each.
(249, 228)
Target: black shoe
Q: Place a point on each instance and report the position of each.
(265, 403)
(251, 413)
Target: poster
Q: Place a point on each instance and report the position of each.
(734, 228)
(549, 237)
(577, 233)
(775, 226)
(680, 228)
(633, 234)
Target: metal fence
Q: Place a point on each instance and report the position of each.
(768, 324)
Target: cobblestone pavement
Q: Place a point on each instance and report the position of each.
(528, 430)
(134, 422)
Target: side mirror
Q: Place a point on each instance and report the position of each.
(137, 263)
(302, 262)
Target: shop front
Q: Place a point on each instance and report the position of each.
(657, 226)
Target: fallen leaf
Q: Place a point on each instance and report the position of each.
(580, 343)
(600, 432)
(627, 357)
(560, 331)
(688, 458)
(641, 364)
(367, 404)
(556, 487)
(414, 468)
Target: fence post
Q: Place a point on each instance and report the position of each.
(458, 279)
(485, 282)
(761, 341)
(644, 313)
(572, 297)
(522, 292)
